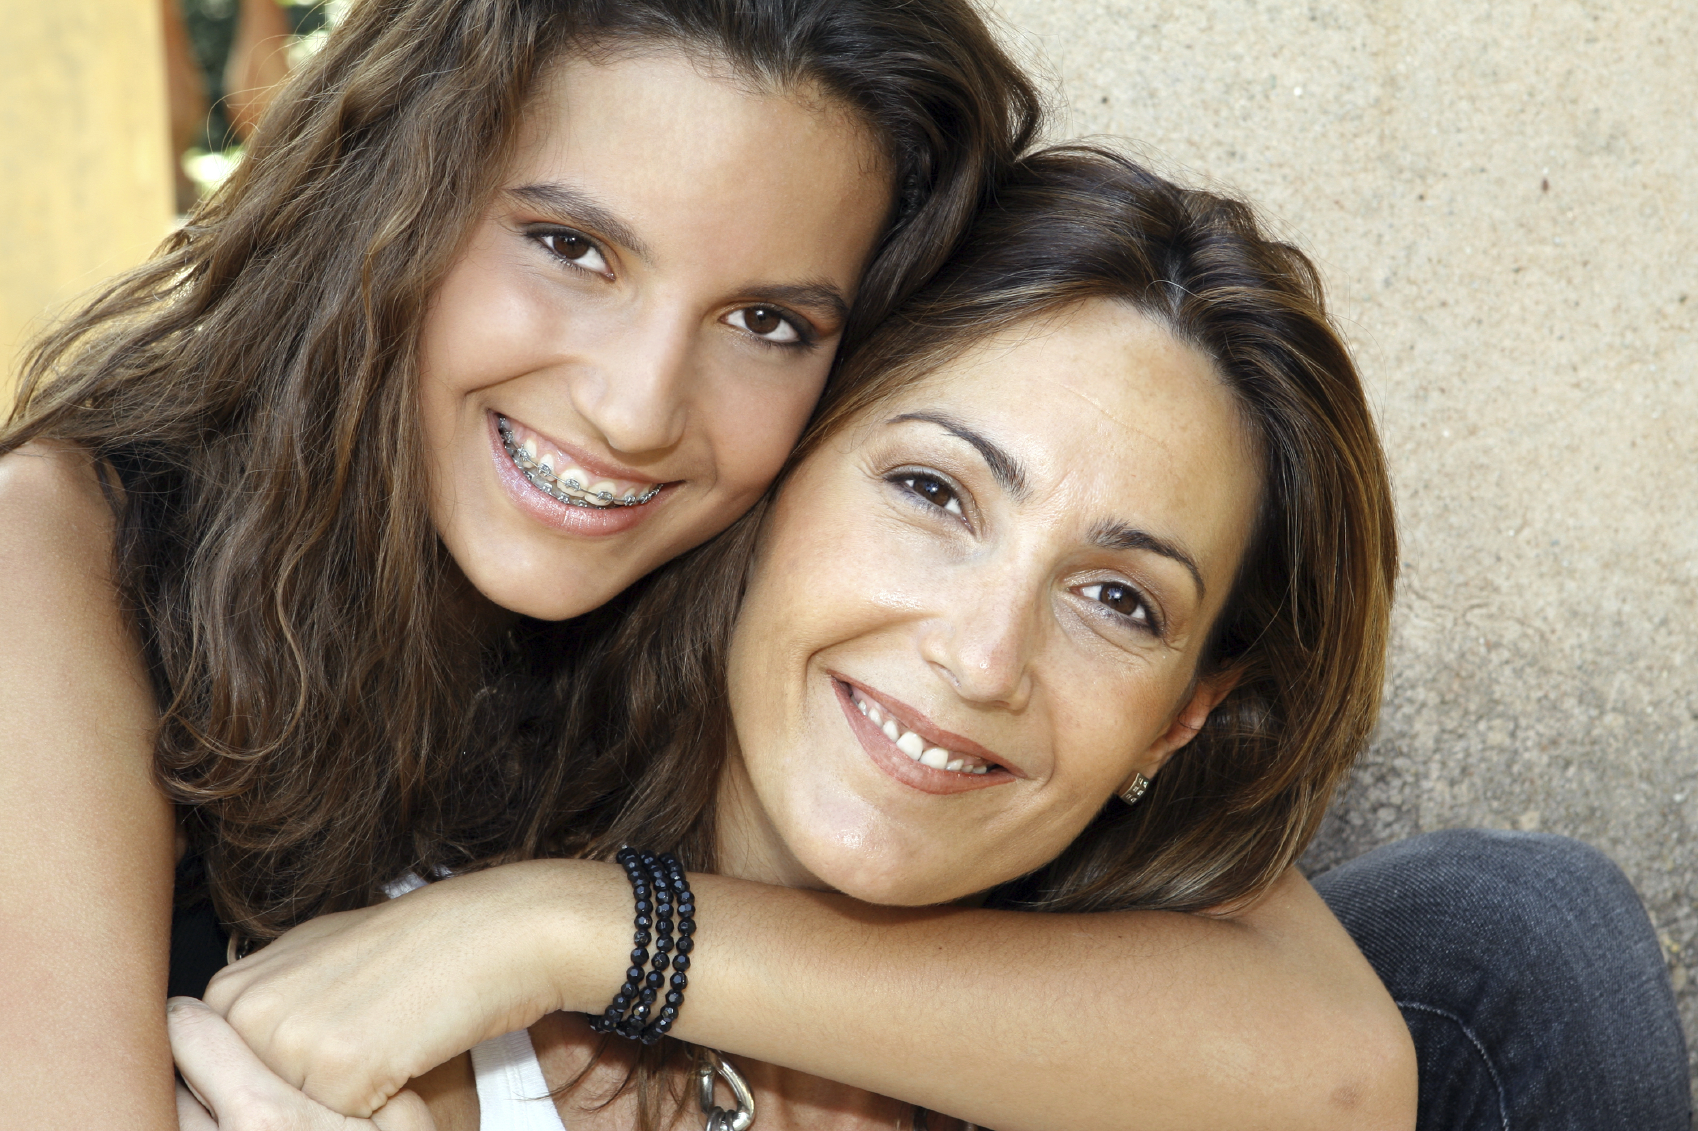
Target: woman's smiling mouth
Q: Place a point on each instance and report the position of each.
(911, 750)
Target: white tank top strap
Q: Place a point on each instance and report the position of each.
(512, 1095)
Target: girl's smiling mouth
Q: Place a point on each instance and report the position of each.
(521, 458)
(564, 478)
(906, 746)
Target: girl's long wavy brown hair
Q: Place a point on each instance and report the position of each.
(326, 718)
(1305, 628)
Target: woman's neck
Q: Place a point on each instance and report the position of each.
(749, 847)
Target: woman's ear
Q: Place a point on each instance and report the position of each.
(1205, 697)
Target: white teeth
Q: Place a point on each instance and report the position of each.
(573, 477)
(914, 746)
(547, 462)
(529, 447)
(605, 487)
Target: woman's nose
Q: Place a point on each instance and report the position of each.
(636, 392)
(983, 637)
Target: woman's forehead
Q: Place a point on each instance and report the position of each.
(1098, 372)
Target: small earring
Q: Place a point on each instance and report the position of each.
(1136, 790)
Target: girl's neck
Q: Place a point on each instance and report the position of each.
(482, 618)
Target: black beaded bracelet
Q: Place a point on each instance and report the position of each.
(659, 886)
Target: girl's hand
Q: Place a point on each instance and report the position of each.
(230, 1090)
(348, 1007)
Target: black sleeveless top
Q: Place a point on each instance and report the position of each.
(198, 939)
(199, 942)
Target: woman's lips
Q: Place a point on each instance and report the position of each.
(582, 520)
(902, 766)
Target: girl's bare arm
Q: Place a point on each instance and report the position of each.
(85, 836)
(1013, 1020)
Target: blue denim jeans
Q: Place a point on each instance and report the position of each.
(1529, 976)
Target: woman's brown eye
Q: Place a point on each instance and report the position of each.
(934, 491)
(1122, 599)
(572, 247)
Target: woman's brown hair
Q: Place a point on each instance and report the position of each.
(326, 718)
(1304, 630)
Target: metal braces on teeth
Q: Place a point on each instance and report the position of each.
(543, 479)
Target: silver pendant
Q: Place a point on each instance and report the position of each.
(718, 1119)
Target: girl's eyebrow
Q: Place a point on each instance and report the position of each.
(819, 296)
(565, 200)
(568, 201)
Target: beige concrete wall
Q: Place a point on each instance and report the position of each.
(1504, 200)
(85, 174)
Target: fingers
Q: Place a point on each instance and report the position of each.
(224, 1074)
(191, 1116)
(405, 1111)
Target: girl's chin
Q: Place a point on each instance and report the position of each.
(511, 593)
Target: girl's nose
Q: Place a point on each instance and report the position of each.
(636, 390)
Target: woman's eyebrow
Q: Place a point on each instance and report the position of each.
(1003, 466)
(565, 200)
(1120, 536)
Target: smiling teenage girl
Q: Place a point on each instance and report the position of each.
(270, 505)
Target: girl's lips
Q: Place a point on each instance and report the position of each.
(898, 765)
(589, 521)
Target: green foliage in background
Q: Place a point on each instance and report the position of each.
(212, 25)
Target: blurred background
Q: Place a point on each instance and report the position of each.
(115, 117)
(1503, 199)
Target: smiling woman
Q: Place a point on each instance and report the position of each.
(1021, 625)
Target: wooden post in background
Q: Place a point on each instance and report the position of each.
(85, 156)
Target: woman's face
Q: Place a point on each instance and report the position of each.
(975, 615)
(646, 313)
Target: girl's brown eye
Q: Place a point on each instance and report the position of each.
(767, 324)
(572, 247)
(580, 251)
(762, 319)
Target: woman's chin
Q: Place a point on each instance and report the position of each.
(892, 883)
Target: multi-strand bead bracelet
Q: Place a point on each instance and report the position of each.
(659, 886)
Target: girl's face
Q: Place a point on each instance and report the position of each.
(976, 614)
(645, 315)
